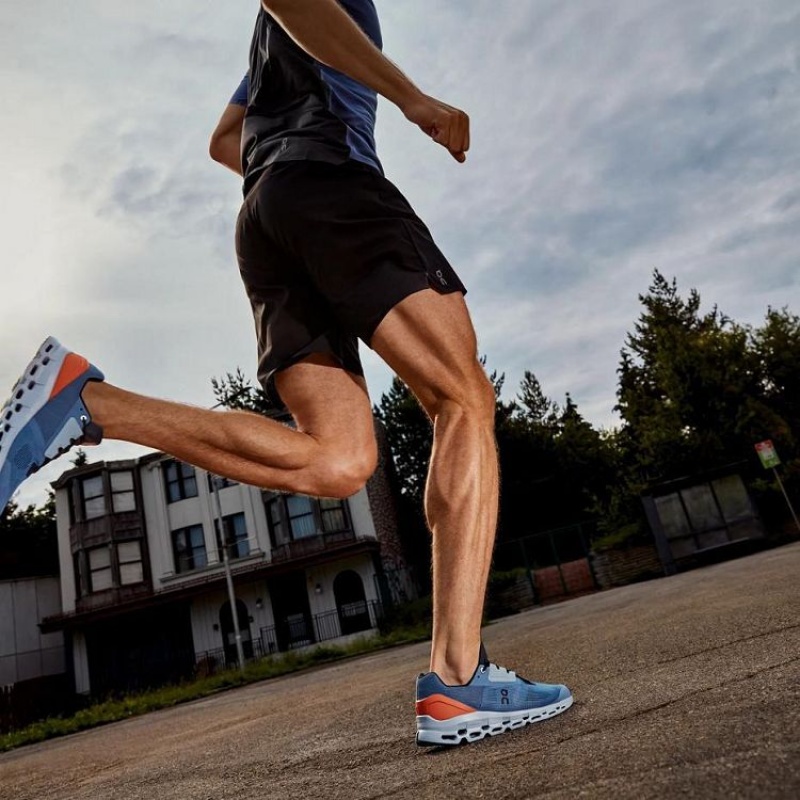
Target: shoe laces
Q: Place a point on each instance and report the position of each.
(496, 668)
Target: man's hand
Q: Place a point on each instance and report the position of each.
(446, 125)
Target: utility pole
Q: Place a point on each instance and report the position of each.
(226, 562)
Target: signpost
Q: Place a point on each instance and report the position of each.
(770, 460)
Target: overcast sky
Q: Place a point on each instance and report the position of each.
(609, 138)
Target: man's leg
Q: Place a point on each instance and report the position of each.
(429, 341)
(331, 453)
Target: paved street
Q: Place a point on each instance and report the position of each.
(686, 687)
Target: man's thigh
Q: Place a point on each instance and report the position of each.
(429, 341)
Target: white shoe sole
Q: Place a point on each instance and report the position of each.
(474, 727)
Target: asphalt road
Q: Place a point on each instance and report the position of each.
(686, 687)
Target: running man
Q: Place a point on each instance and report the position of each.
(329, 252)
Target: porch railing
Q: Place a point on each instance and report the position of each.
(300, 630)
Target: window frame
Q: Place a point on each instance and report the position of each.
(235, 540)
(283, 523)
(337, 505)
(115, 493)
(181, 480)
(92, 571)
(82, 481)
(175, 553)
(121, 563)
(312, 513)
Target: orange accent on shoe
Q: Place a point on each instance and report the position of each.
(73, 367)
(441, 707)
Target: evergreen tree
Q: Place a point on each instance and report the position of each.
(236, 392)
(688, 385)
(410, 436)
(28, 540)
(533, 407)
(776, 347)
(697, 391)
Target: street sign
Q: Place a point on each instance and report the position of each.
(766, 452)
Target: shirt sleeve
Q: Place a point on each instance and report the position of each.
(240, 95)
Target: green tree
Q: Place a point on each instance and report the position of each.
(533, 407)
(28, 540)
(235, 391)
(688, 385)
(410, 436)
(696, 391)
(776, 347)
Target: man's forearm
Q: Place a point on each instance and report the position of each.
(325, 31)
(226, 140)
(227, 151)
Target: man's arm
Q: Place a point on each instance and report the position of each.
(226, 141)
(325, 31)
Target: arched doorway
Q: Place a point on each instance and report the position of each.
(228, 633)
(351, 602)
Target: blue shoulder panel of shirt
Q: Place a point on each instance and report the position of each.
(362, 11)
(240, 95)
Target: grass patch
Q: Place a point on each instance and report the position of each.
(116, 709)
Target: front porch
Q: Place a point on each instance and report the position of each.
(296, 632)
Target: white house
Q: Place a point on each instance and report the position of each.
(143, 587)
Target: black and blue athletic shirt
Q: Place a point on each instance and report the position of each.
(301, 110)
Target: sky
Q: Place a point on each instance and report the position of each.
(609, 139)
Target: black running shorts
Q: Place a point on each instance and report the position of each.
(325, 252)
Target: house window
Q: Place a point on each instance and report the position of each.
(293, 517)
(93, 499)
(277, 526)
(122, 495)
(180, 481)
(129, 555)
(100, 577)
(300, 512)
(189, 548)
(333, 516)
(236, 537)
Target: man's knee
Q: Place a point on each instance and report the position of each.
(344, 472)
(472, 395)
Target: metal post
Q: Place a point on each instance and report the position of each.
(215, 481)
(528, 571)
(786, 496)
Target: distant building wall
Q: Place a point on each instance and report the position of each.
(626, 565)
(383, 505)
(25, 652)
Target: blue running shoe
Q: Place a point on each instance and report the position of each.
(494, 701)
(45, 415)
